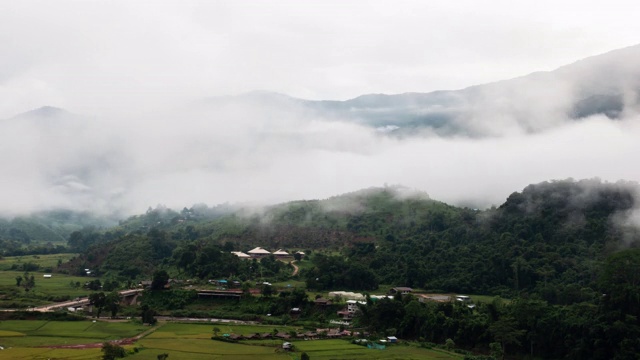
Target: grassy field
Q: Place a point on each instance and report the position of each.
(181, 341)
(30, 333)
(58, 286)
(26, 353)
(205, 331)
(44, 261)
(181, 348)
(342, 349)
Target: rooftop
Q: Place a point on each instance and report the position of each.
(259, 250)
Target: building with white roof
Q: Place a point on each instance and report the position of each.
(281, 253)
(241, 255)
(258, 252)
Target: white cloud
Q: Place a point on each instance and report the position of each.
(132, 64)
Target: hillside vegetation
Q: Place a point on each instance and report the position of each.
(550, 239)
(46, 231)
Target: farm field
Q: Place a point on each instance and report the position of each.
(58, 286)
(22, 338)
(205, 331)
(30, 333)
(343, 349)
(26, 353)
(44, 261)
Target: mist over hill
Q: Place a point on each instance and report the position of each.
(468, 146)
(606, 85)
(549, 238)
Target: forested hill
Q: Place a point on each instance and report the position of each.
(549, 239)
(45, 231)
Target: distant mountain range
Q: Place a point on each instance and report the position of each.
(74, 161)
(607, 85)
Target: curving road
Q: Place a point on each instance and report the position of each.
(73, 303)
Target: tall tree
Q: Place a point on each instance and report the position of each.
(99, 301)
(112, 351)
(160, 279)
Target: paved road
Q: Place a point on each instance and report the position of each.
(78, 302)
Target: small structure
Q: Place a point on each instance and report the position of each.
(258, 252)
(286, 346)
(346, 295)
(353, 305)
(351, 309)
(241, 255)
(322, 302)
(46, 276)
(301, 253)
(401, 290)
(392, 339)
(281, 253)
(463, 298)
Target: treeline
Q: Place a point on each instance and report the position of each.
(44, 230)
(549, 240)
(606, 327)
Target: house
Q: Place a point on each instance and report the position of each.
(295, 312)
(281, 253)
(353, 305)
(301, 253)
(401, 290)
(258, 252)
(392, 339)
(286, 346)
(351, 309)
(322, 302)
(463, 298)
(47, 276)
(241, 255)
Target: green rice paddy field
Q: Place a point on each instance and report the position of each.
(44, 261)
(45, 290)
(22, 339)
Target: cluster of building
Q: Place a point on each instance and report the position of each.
(355, 300)
(259, 252)
(308, 335)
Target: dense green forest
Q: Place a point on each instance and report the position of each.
(563, 252)
(46, 232)
(550, 240)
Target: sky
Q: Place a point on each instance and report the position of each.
(133, 66)
(124, 56)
